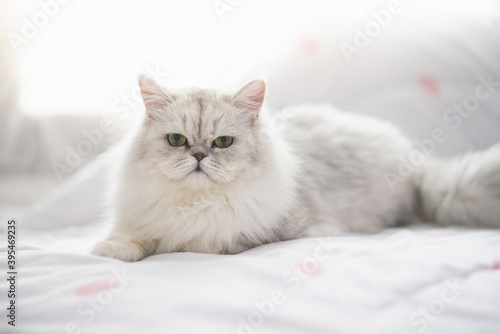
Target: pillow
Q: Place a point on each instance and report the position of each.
(429, 69)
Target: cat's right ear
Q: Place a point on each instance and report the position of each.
(154, 97)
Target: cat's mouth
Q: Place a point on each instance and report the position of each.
(198, 171)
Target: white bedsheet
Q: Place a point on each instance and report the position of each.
(354, 284)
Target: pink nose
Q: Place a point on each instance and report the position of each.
(199, 156)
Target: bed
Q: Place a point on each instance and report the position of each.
(423, 279)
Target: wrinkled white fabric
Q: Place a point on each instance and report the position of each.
(350, 284)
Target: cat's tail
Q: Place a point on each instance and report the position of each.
(461, 191)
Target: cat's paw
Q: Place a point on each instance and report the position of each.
(119, 249)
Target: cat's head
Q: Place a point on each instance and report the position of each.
(202, 137)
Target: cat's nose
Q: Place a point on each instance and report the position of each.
(199, 156)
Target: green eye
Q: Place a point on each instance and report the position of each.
(223, 142)
(176, 139)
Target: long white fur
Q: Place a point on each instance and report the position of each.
(323, 173)
(461, 191)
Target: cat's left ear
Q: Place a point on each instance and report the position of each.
(251, 97)
(154, 97)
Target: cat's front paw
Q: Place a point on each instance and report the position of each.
(118, 249)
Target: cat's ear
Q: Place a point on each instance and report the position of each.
(154, 97)
(251, 97)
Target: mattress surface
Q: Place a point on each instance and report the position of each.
(423, 279)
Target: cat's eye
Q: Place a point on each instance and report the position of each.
(223, 141)
(176, 139)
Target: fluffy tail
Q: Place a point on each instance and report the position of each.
(461, 191)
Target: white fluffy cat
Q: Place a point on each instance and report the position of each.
(213, 171)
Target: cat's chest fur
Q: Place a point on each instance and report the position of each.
(222, 220)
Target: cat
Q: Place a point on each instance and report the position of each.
(208, 171)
